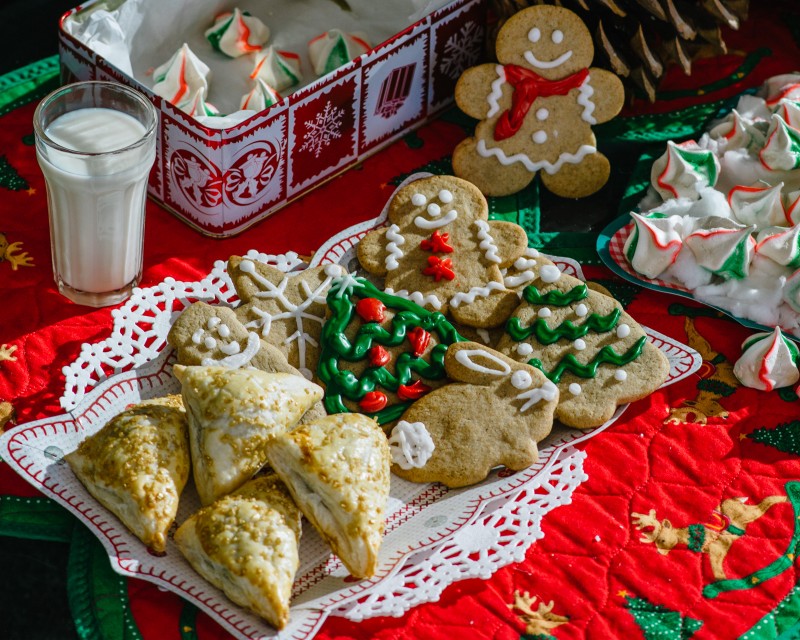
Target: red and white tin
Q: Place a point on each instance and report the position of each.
(222, 181)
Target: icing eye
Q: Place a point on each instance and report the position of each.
(521, 380)
(445, 196)
(418, 199)
(534, 34)
(558, 36)
(434, 209)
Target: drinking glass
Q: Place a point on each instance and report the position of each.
(95, 143)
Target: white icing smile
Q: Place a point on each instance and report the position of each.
(424, 223)
(544, 64)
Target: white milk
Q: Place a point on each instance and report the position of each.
(96, 202)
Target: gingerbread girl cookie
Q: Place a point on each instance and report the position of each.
(536, 108)
(441, 251)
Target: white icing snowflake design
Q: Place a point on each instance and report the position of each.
(461, 50)
(324, 129)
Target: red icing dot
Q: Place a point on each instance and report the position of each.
(412, 391)
(378, 356)
(371, 310)
(373, 401)
(419, 339)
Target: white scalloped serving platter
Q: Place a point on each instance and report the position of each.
(434, 536)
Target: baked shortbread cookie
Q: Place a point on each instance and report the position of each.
(137, 465)
(246, 545)
(337, 469)
(232, 415)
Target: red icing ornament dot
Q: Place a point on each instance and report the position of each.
(413, 391)
(371, 310)
(373, 401)
(378, 356)
(419, 339)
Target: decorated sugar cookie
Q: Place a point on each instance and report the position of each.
(441, 251)
(286, 310)
(379, 353)
(537, 108)
(441, 438)
(586, 344)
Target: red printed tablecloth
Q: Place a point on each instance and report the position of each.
(712, 465)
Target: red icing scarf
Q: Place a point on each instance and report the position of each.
(527, 87)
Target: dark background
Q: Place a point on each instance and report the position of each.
(33, 592)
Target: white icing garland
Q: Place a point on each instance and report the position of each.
(393, 251)
(585, 93)
(533, 166)
(479, 291)
(416, 296)
(497, 91)
(487, 243)
(236, 359)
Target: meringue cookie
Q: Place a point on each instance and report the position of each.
(197, 105)
(334, 48)
(279, 69)
(780, 245)
(781, 151)
(781, 87)
(683, 170)
(178, 79)
(723, 247)
(654, 243)
(735, 132)
(758, 205)
(237, 33)
(259, 97)
(768, 361)
(789, 110)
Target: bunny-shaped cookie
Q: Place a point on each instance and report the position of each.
(495, 413)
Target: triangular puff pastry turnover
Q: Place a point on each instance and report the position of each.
(246, 545)
(137, 465)
(232, 414)
(337, 469)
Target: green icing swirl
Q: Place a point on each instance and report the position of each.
(606, 355)
(341, 384)
(567, 329)
(555, 298)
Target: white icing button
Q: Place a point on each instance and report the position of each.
(558, 36)
(524, 349)
(575, 389)
(209, 342)
(540, 137)
(549, 273)
(434, 209)
(544, 312)
(445, 196)
(581, 310)
(623, 331)
(620, 375)
(521, 380)
(418, 199)
(541, 114)
(534, 34)
(579, 344)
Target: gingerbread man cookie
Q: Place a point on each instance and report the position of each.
(441, 438)
(441, 251)
(536, 108)
(285, 309)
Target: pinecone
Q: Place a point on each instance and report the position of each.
(639, 39)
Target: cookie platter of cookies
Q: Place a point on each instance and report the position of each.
(311, 445)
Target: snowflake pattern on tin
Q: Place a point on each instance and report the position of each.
(325, 128)
(461, 50)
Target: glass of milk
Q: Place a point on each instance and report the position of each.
(96, 144)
